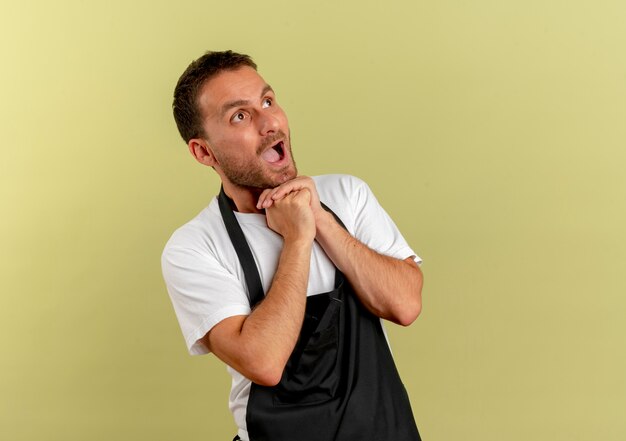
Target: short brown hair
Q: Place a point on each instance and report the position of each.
(187, 113)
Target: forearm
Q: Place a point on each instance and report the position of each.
(259, 345)
(272, 329)
(390, 288)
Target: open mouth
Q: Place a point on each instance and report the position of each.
(275, 153)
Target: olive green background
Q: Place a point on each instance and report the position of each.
(493, 132)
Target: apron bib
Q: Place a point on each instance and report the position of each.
(340, 382)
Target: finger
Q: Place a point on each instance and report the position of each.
(303, 196)
(283, 190)
(276, 194)
(268, 201)
(263, 198)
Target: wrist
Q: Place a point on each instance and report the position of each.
(298, 241)
(324, 223)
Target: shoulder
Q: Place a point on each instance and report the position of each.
(338, 187)
(338, 181)
(199, 235)
(345, 195)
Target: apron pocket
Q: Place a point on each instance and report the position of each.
(311, 374)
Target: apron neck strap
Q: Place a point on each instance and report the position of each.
(238, 239)
(338, 274)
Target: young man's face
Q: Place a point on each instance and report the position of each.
(246, 130)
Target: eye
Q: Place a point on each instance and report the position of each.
(267, 102)
(238, 117)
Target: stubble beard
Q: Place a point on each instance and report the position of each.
(253, 174)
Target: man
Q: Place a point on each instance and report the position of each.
(285, 277)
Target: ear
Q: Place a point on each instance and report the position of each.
(201, 150)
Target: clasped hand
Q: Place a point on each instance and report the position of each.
(291, 208)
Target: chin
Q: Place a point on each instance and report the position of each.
(288, 176)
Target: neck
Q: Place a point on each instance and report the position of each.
(245, 198)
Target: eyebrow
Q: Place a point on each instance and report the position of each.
(236, 103)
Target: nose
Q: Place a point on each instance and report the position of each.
(268, 123)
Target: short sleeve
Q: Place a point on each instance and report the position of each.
(374, 227)
(202, 292)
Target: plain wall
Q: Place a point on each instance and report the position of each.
(493, 132)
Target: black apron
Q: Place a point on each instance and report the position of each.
(340, 383)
